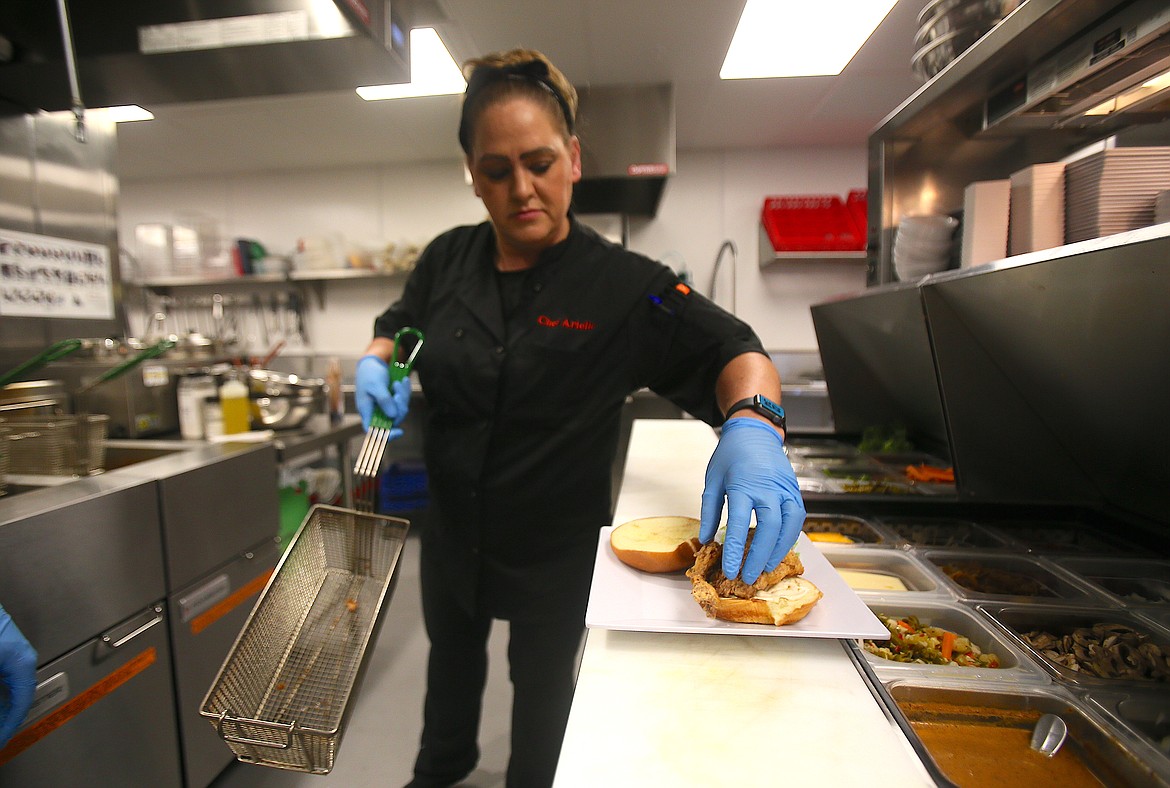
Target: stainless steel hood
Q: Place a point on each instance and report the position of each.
(166, 51)
(627, 148)
(1111, 75)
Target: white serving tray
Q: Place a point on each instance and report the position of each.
(628, 599)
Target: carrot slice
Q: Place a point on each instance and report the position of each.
(948, 645)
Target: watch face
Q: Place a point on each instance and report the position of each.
(769, 407)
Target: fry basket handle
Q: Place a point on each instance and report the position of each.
(288, 729)
(55, 351)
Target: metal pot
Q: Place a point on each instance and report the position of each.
(284, 401)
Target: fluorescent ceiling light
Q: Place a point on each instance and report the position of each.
(798, 38)
(126, 113)
(432, 71)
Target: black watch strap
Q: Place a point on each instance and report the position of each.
(763, 406)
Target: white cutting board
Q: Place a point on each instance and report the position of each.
(691, 710)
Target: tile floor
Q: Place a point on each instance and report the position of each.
(379, 745)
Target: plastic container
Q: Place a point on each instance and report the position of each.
(821, 447)
(1014, 664)
(233, 403)
(943, 532)
(858, 530)
(1061, 538)
(810, 223)
(1018, 620)
(1008, 578)
(1131, 582)
(192, 392)
(918, 577)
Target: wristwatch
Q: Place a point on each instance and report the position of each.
(763, 406)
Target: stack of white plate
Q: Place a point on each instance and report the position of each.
(923, 245)
(1113, 191)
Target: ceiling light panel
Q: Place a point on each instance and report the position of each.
(433, 71)
(796, 38)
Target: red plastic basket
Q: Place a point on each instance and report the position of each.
(810, 223)
(857, 204)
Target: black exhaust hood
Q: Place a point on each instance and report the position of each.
(168, 51)
(627, 137)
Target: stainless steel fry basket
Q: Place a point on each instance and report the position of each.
(64, 445)
(282, 696)
(4, 459)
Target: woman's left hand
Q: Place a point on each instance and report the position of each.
(751, 471)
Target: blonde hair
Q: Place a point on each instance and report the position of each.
(517, 72)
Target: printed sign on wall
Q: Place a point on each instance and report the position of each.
(42, 276)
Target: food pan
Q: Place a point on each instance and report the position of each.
(1133, 582)
(854, 471)
(1144, 715)
(898, 460)
(282, 696)
(981, 736)
(1013, 665)
(821, 448)
(1009, 578)
(856, 529)
(1072, 633)
(815, 485)
(916, 576)
(875, 486)
(943, 532)
(1060, 538)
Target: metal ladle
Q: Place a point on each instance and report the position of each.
(1049, 734)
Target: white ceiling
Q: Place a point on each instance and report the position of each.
(595, 42)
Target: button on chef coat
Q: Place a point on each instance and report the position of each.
(524, 409)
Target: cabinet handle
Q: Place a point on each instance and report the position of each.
(109, 641)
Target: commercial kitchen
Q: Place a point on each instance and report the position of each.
(956, 247)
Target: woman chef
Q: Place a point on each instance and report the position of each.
(536, 331)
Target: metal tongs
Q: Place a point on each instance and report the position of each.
(369, 460)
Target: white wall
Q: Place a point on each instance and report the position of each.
(714, 196)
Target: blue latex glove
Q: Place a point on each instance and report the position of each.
(372, 387)
(749, 468)
(18, 672)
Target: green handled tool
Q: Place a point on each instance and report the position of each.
(369, 461)
(55, 351)
(398, 371)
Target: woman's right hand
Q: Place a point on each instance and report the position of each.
(373, 389)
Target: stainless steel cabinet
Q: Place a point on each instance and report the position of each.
(103, 714)
(205, 619)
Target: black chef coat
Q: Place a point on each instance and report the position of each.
(524, 407)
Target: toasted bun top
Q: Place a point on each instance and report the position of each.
(656, 544)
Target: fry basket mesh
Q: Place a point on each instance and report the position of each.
(65, 445)
(282, 694)
(5, 458)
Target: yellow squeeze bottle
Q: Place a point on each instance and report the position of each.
(233, 401)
